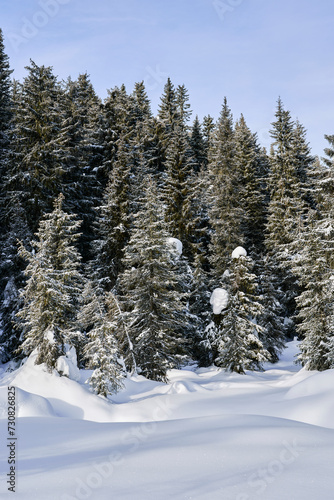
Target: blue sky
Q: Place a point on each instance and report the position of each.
(250, 51)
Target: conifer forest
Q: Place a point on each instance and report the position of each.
(138, 242)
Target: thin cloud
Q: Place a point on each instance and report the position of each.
(123, 20)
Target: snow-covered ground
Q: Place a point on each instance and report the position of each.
(207, 435)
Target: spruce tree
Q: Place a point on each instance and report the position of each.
(52, 294)
(224, 209)
(208, 127)
(13, 280)
(8, 290)
(81, 126)
(113, 221)
(274, 331)
(180, 194)
(237, 341)
(36, 170)
(197, 145)
(99, 316)
(249, 162)
(314, 266)
(315, 305)
(287, 210)
(120, 113)
(5, 102)
(151, 291)
(168, 109)
(183, 107)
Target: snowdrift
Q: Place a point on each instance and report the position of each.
(206, 435)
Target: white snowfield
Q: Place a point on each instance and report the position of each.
(207, 435)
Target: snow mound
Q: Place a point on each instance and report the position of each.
(66, 397)
(27, 404)
(219, 300)
(31, 405)
(176, 245)
(315, 383)
(184, 387)
(239, 252)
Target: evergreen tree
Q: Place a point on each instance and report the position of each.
(52, 294)
(315, 304)
(314, 266)
(99, 316)
(113, 222)
(237, 332)
(287, 207)
(151, 292)
(5, 102)
(303, 160)
(208, 127)
(249, 165)
(81, 126)
(274, 331)
(143, 105)
(13, 278)
(8, 292)
(197, 145)
(183, 106)
(224, 209)
(168, 108)
(120, 115)
(180, 194)
(36, 171)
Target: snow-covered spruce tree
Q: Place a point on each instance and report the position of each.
(237, 333)
(224, 210)
(6, 236)
(208, 127)
(183, 107)
(303, 162)
(99, 316)
(274, 331)
(287, 210)
(39, 152)
(315, 269)
(13, 279)
(120, 114)
(81, 125)
(151, 292)
(168, 108)
(315, 306)
(48, 318)
(5, 100)
(197, 145)
(180, 194)
(113, 222)
(249, 160)
(199, 300)
(148, 134)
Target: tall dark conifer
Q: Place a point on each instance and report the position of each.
(52, 295)
(224, 208)
(81, 128)
(287, 207)
(249, 161)
(7, 236)
(151, 292)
